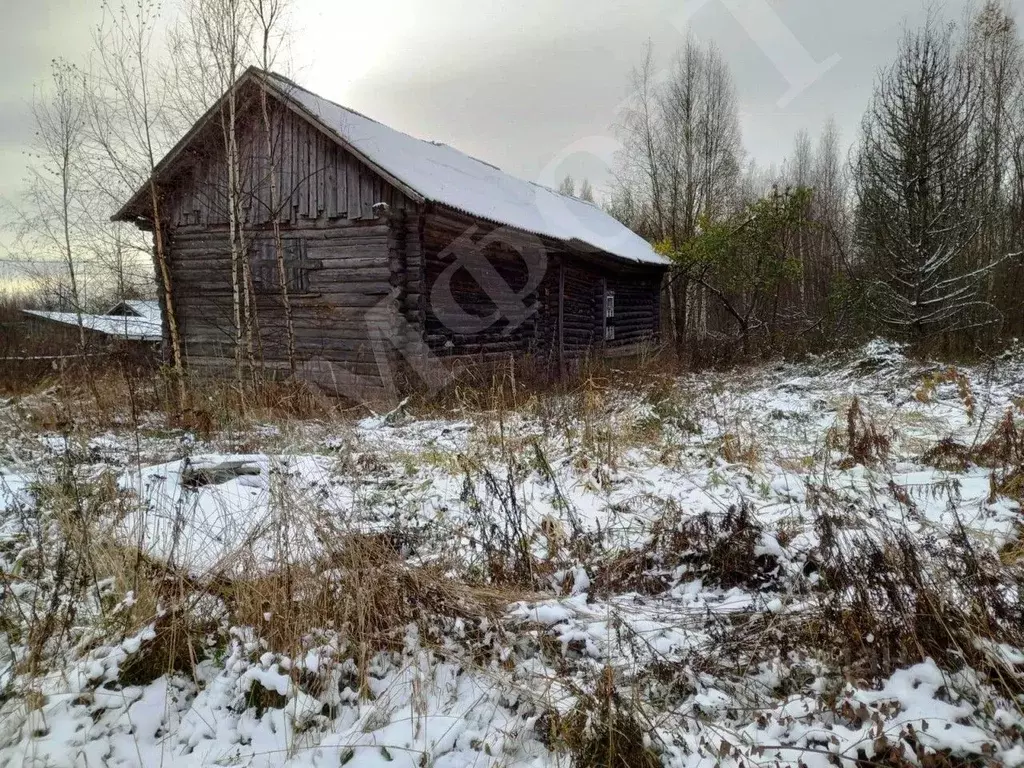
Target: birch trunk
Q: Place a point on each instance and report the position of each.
(282, 273)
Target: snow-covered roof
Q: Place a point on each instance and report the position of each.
(444, 175)
(146, 308)
(122, 327)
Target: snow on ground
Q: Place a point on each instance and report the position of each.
(205, 527)
(12, 486)
(631, 504)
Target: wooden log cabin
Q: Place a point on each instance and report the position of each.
(400, 254)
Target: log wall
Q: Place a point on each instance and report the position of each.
(637, 307)
(459, 310)
(325, 201)
(393, 263)
(352, 277)
(554, 330)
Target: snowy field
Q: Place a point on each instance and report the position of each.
(798, 564)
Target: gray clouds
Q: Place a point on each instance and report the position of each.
(516, 83)
(513, 83)
(32, 34)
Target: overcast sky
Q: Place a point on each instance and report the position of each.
(530, 85)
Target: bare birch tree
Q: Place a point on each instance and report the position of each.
(268, 16)
(799, 171)
(993, 52)
(681, 157)
(210, 50)
(994, 57)
(130, 125)
(56, 208)
(1013, 283)
(831, 196)
(640, 163)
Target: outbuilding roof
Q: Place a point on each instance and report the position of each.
(145, 308)
(126, 327)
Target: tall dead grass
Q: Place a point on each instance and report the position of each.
(870, 603)
(76, 583)
(117, 391)
(522, 383)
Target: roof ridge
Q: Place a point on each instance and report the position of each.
(554, 191)
(288, 81)
(435, 142)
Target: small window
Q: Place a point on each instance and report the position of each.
(609, 315)
(265, 273)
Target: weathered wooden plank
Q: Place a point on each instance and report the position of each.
(314, 175)
(311, 135)
(350, 239)
(359, 279)
(331, 182)
(369, 195)
(306, 192)
(342, 164)
(353, 300)
(287, 145)
(265, 209)
(297, 173)
(336, 284)
(354, 170)
(330, 259)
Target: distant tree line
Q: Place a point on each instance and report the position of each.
(585, 191)
(916, 234)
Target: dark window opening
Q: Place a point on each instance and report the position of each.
(265, 270)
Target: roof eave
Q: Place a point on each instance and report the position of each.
(129, 211)
(580, 247)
